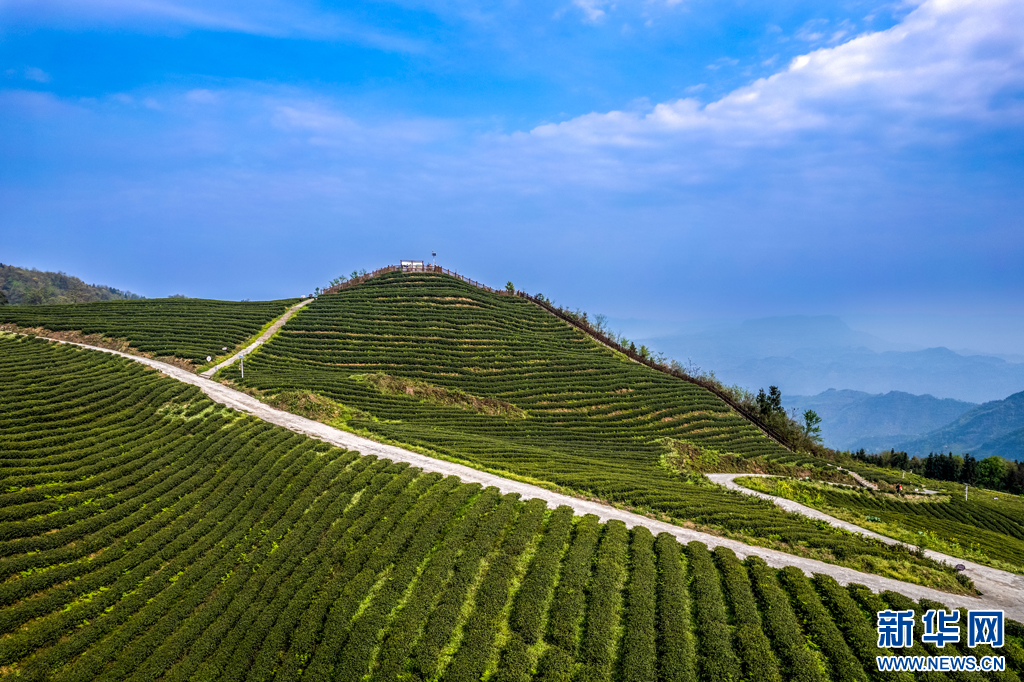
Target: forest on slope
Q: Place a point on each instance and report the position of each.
(29, 286)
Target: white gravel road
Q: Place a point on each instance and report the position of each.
(1007, 598)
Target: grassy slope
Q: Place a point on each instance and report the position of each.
(147, 533)
(595, 420)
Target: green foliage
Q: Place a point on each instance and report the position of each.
(639, 653)
(604, 602)
(716, 658)
(811, 425)
(818, 624)
(569, 602)
(781, 624)
(474, 651)
(534, 596)
(138, 543)
(28, 286)
(751, 643)
(675, 641)
(186, 328)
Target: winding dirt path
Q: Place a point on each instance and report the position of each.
(1009, 598)
(1003, 589)
(278, 323)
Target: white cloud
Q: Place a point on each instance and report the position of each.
(593, 11)
(946, 61)
(36, 74)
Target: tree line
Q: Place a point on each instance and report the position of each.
(994, 473)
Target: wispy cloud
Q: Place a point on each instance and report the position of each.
(722, 62)
(36, 74)
(275, 18)
(944, 61)
(593, 10)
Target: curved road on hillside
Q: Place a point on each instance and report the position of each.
(1011, 599)
(1004, 588)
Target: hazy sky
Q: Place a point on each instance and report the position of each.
(673, 159)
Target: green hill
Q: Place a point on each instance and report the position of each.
(148, 533)
(28, 286)
(495, 381)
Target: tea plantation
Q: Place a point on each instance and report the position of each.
(186, 328)
(973, 524)
(147, 533)
(595, 422)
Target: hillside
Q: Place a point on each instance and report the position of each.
(496, 382)
(28, 286)
(147, 532)
(994, 428)
(851, 420)
(187, 328)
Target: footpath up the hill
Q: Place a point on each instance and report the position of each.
(1011, 601)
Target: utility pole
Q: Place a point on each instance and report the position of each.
(241, 359)
(965, 491)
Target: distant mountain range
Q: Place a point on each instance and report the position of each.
(806, 355)
(995, 428)
(851, 420)
(917, 424)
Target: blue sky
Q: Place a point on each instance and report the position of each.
(655, 159)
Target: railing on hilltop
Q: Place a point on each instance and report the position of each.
(583, 327)
(398, 268)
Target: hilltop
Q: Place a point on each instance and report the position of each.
(28, 286)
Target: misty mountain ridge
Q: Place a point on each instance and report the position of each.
(851, 420)
(807, 355)
(994, 428)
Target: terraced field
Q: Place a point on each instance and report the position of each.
(147, 533)
(189, 328)
(575, 414)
